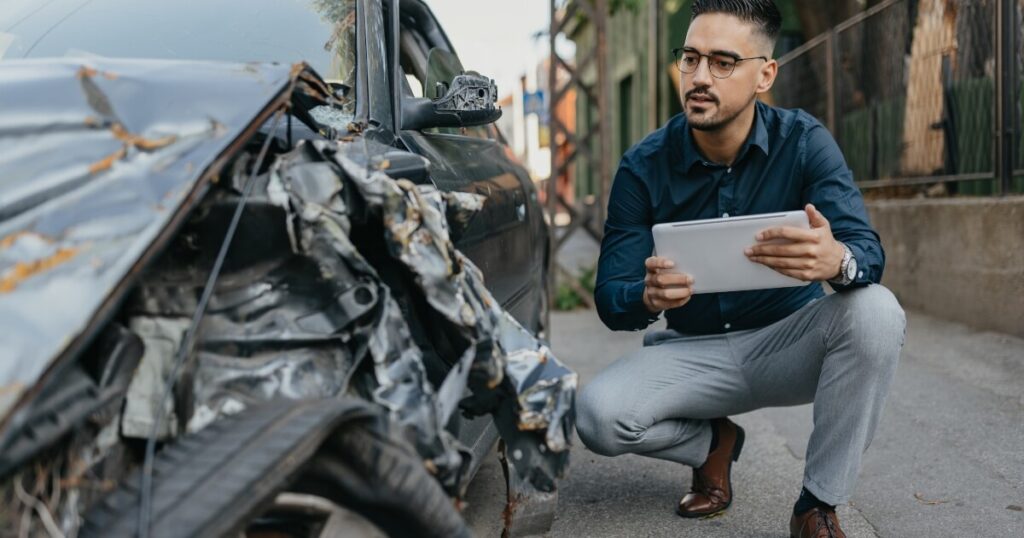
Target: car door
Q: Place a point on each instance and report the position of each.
(506, 239)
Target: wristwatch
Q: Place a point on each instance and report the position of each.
(847, 268)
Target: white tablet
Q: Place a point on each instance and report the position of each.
(711, 251)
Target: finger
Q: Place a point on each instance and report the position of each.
(668, 280)
(657, 262)
(675, 304)
(778, 262)
(798, 274)
(674, 294)
(814, 217)
(789, 250)
(787, 232)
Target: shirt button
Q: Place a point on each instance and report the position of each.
(860, 274)
(728, 326)
(724, 215)
(729, 171)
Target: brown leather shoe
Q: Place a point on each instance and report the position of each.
(816, 523)
(711, 491)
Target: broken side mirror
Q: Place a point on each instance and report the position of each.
(469, 100)
(453, 96)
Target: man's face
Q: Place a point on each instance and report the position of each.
(709, 102)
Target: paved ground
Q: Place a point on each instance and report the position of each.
(947, 460)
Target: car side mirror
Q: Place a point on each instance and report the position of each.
(468, 101)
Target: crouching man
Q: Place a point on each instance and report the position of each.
(728, 353)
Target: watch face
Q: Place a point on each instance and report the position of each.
(851, 269)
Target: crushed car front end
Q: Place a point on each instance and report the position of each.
(177, 264)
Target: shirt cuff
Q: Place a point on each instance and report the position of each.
(635, 302)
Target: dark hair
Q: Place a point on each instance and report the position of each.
(761, 13)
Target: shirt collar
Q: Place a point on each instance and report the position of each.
(689, 154)
(759, 134)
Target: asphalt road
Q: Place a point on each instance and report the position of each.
(947, 459)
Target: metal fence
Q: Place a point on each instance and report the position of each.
(920, 94)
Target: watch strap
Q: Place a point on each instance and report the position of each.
(843, 278)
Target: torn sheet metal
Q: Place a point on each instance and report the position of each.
(403, 389)
(322, 195)
(512, 362)
(286, 316)
(99, 157)
(323, 232)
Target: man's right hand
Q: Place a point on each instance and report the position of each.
(664, 290)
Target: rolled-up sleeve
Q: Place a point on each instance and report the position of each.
(627, 242)
(828, 184)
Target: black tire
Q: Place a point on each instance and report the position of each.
(213, 483)
(385, 482)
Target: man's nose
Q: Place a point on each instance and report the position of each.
(702, 76)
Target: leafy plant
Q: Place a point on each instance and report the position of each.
(566, 295)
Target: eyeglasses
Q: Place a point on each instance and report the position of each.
(721, 65)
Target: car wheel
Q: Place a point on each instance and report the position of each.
(222, 480)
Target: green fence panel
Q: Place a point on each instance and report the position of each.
(855, 134)
(889, 135)
(872, 139)
(1018, 182)
(972, 116)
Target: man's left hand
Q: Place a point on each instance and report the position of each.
(809, 255)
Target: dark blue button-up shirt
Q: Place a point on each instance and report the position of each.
(788, 160)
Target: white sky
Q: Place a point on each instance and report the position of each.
(494, 37)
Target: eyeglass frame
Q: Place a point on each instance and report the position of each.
(679, 51)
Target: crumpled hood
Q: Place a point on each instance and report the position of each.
(100, 161)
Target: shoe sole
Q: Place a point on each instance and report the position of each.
(740, 438)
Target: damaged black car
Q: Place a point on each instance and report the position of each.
(267, 268)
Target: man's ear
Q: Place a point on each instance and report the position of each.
(768, 72)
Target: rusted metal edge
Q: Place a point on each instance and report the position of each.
(23, 271)
(116, 296)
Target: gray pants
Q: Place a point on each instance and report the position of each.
(839, 352)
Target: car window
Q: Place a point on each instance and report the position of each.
(319, 32)
(423, 67)
(412, 56)
(442, 67)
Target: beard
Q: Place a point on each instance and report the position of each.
(712, 121)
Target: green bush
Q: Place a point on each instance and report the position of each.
(566, 297)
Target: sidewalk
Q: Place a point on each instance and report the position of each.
(947, 459)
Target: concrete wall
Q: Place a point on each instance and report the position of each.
(960, 259)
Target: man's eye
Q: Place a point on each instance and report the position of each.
(691, 60)
(723, 63)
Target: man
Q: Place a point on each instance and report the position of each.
(728, 353)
